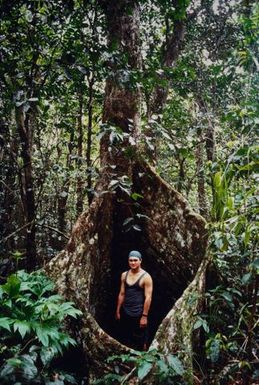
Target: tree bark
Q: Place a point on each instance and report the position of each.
(163, 227)
(210, 142)
(89, 140)
(173, 241)
(79, 189)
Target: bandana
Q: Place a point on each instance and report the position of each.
(136, 254)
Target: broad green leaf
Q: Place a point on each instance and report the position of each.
(8, 303)
(255, 264)
(16, 362)
(23, 327)
(71, 380)
(197, 324)
(246, 278)
(238, 228)
(143, 369)
(201, 322)
(162, 366)
(243, 364)
(5, 323)
(6, 370)
(72, 312)
(175, 364)
(47, 354)
(135, 196)
(42, 335)
(29, 369)
(227, 296)
(246, 237)
(230, 203)
(235, 291)
(12, 286)
(217, 179)
(214, 350)
(113, 184)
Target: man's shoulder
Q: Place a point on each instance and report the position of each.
(123, 275)
(147, 276)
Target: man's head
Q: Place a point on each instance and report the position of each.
(134, 259)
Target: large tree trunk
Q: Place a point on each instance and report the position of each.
(173, 242)
(133, 208)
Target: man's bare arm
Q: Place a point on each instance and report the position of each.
(148, 290)
(121, 297)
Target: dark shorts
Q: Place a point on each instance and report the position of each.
(130, 332)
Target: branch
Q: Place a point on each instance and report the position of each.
(55, 230)
(27, 225)
(170, 52)
(16, 231)
(7, 187)
(128, 375)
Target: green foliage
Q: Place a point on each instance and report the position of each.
(53, 52)
(32, 328)
(164, 367)
(230, 320)
(231, 316)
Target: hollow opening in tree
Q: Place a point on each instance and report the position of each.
(168, 285)
(173, 241)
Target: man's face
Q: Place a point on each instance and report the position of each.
(134, 263)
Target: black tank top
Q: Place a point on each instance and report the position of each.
(134, 298)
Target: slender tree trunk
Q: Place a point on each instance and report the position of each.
(62, 207)
(89, 140)
(181, 174)
(24, 130)
(7, 186)
(170, 52)
(79, 189)
(210, 141)
(206, 144)
(210, 146)
(253, 299)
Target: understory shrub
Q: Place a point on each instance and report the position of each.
(32, 331)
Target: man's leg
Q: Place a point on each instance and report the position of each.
(145, 339)
(140, 336)
(131, 334)
(127, 325)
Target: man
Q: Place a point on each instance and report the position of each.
(134, 302)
